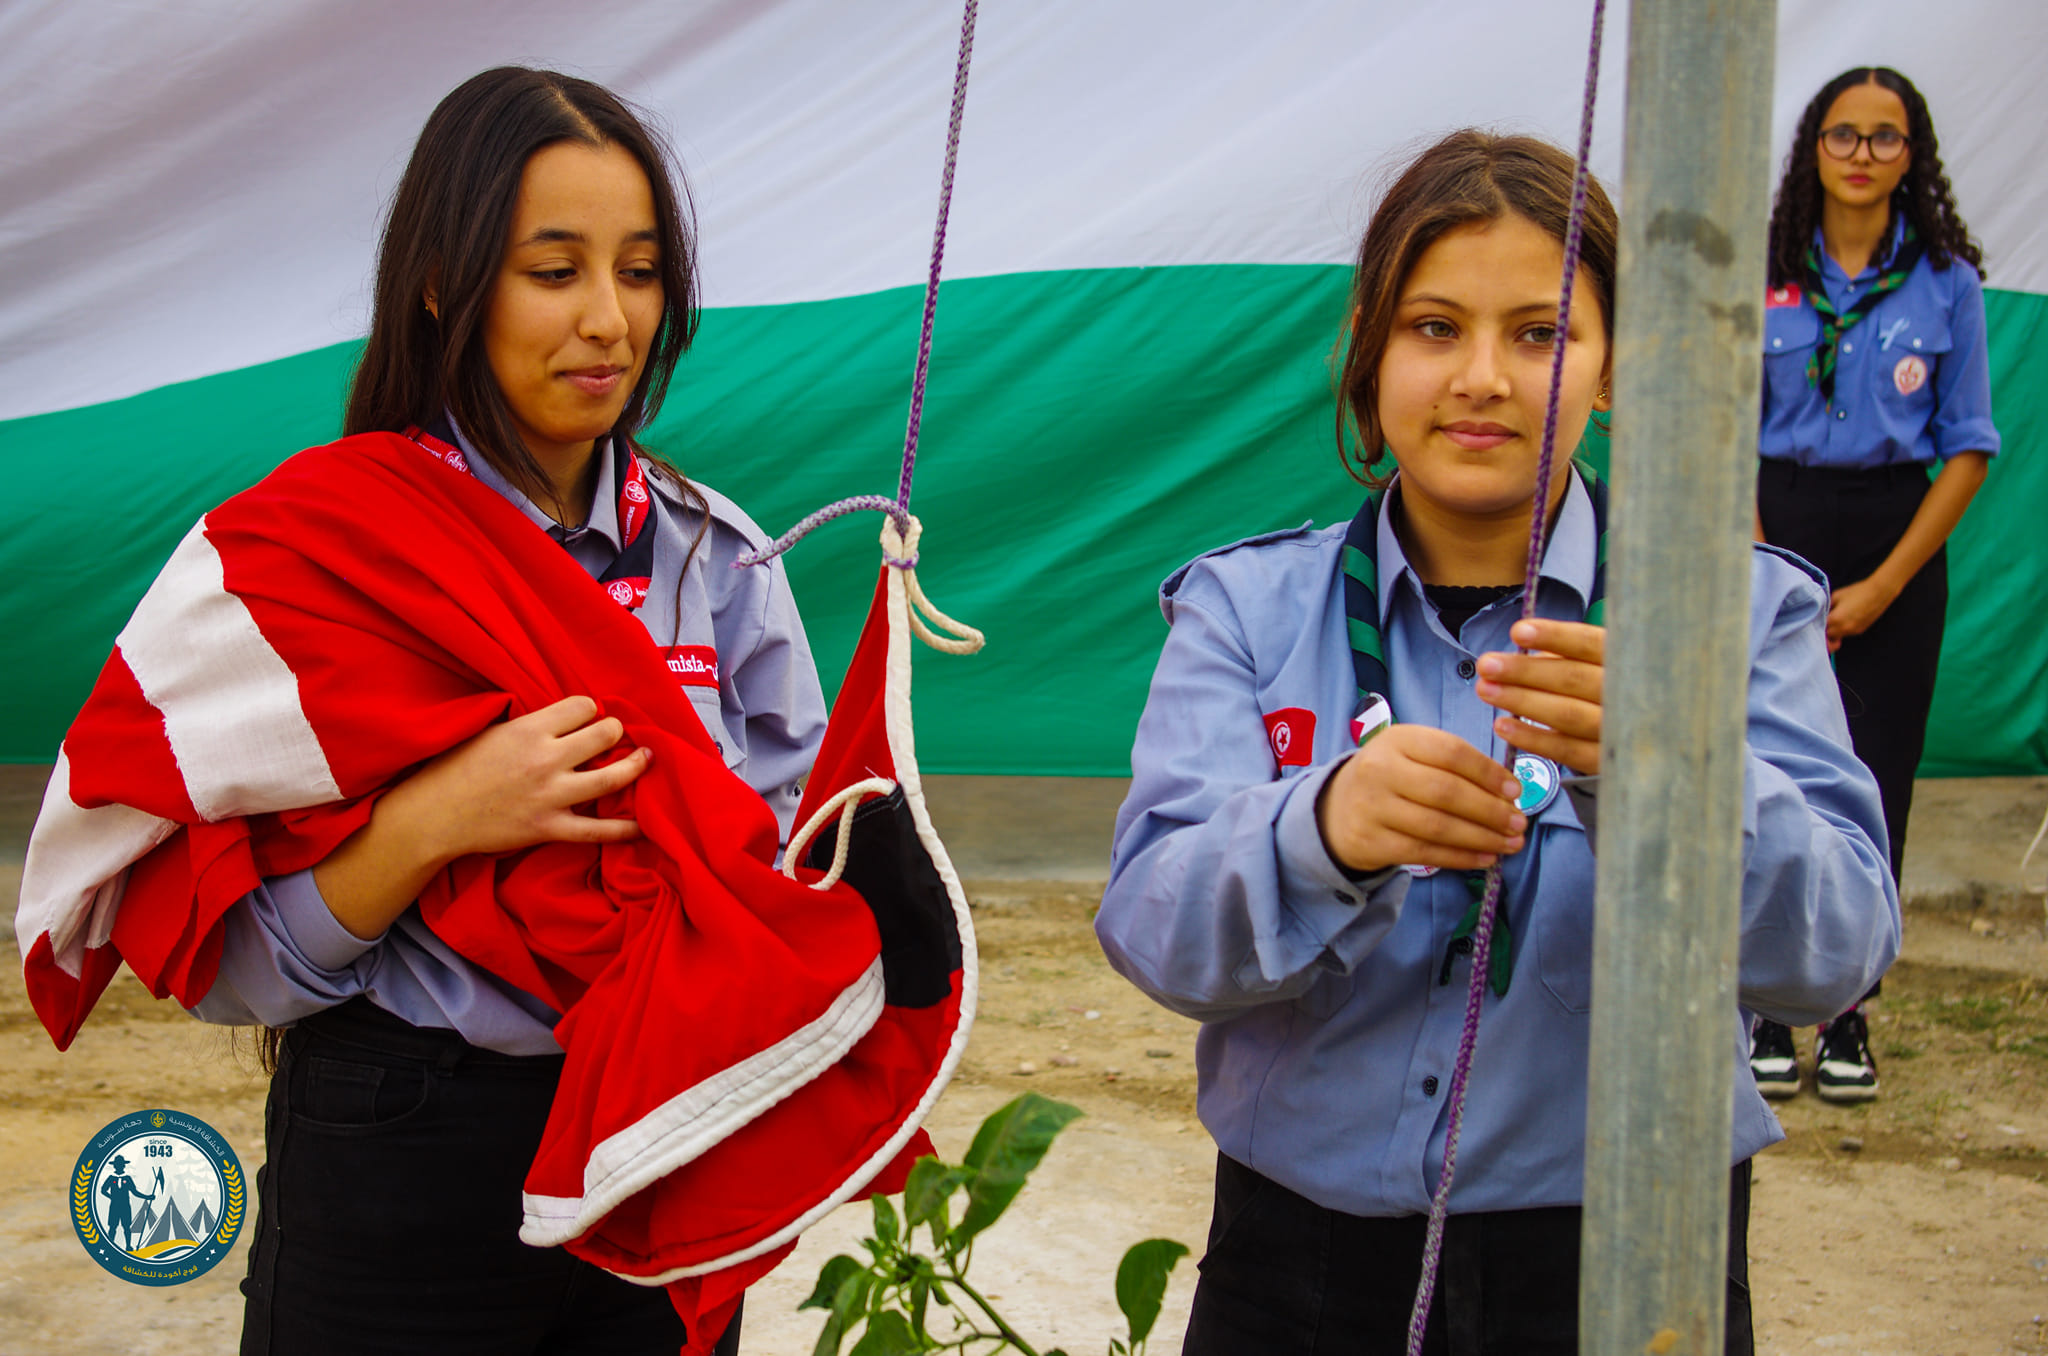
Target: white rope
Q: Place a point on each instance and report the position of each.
(843, 802)
(963, 639)
(2030, 849)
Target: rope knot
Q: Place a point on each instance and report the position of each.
(899, 549)
(899, 544)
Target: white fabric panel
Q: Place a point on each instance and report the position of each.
(705, 1115)
(230, 705)
(192, 186)
(77, 868)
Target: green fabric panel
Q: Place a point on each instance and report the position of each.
(1085, 433)
(103, 493)
(1991, 701)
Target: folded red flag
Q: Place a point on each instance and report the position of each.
(744, 1051)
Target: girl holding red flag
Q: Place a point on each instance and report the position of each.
(341, 779)
(534, 292)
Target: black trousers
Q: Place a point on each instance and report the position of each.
(1287, 1277)
(1846, 522)
(388, 1210)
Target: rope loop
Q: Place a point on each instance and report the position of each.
(899, 551)
(843, 803)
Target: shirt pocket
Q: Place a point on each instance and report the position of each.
(1790, 333)
(1561, 921)
(710, 710)
(1327, 996)
(1790, 329)
(1904, 372)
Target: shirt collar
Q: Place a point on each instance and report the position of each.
(604, 501)
(1831, 272)
(1570, 559)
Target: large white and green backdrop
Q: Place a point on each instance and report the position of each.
(1145, 277)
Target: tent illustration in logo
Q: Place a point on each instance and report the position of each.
(160, 1231)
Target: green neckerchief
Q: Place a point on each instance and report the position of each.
(1820, 368)
(1369, 668)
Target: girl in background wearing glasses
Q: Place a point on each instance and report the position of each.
(1875, 370)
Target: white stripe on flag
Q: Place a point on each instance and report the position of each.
(76, 869)
(230, 705)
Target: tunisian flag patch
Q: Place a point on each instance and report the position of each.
(1292, 733)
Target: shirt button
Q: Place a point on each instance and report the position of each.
(1848, 347)
(1777, 343)
(1841, 414)
(1429, 1086)
(1466, 668)
(1916, 343)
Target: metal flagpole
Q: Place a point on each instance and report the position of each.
(1695, 200)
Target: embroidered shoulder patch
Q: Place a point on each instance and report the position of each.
(1291, 731)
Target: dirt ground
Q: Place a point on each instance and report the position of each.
(1918, 1224)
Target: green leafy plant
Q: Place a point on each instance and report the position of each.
(901, 1292)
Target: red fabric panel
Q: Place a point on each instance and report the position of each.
(122, 749)
(856, 743)
(62, 1002)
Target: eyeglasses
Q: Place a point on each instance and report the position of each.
(1886, 143)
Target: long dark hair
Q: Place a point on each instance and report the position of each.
(1923, 196)
(1467, 177)
(446, 235)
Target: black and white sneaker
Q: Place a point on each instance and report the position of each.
(1772, 1059)
(1844, 1070)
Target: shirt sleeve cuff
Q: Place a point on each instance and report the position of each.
(311, 926)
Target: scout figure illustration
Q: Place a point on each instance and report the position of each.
(117, 1190)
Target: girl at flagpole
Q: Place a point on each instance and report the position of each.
(1317, 786)
(1876, 373)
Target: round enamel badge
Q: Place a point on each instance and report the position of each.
(1540, 782)
(157, 1197)
(1910, 374)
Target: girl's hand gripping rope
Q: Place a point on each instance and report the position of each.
(1417, 795)
(1552, 696)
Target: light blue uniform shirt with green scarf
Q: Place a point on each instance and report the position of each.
(1912, 378)
(1326, 1051)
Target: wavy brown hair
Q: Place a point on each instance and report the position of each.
(1923, 196)
(1469, 176)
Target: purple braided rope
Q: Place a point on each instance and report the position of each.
(899, 507)
(1482, 933)
(931, 287)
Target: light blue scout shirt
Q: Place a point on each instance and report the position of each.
(1326, 1051)
(1912, 378)
(285, 955)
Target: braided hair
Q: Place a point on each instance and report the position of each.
(1923, 196)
